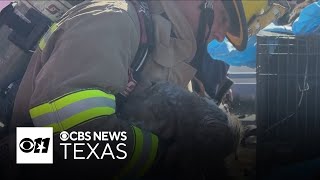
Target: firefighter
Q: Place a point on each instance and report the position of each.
(84, 60)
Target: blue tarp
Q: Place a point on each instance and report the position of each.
(308, 21)
(226, 52)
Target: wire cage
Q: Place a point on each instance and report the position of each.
(287, 101)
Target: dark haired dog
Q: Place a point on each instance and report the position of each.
(201, 135)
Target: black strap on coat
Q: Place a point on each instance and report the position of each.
(145, 47)
(206, 20)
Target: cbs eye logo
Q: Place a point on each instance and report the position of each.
(38, 145)
(34, 145)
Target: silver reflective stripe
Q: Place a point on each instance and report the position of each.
(47, 36)
(73, 109)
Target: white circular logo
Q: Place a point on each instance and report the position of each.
(64, 136)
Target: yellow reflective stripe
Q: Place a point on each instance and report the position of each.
(56, 127)
(138, 145)
(67, 100)
(72, 109)
(152, 156)
(40, 110)
(137, 149)
(143, 157)
(45, 38)
(42, 44)
(81, 117)
(54, 27)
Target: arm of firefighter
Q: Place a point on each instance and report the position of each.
(88, 65)
(86, 62)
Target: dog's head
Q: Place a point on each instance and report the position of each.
(174, 113)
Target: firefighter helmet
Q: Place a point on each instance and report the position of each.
(249, 16)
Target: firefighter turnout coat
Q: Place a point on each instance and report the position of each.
(82, 63)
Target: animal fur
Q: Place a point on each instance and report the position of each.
(202, 133)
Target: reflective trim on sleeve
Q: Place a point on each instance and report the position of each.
(45, 38)
(144, 154)
(72, 109)
(152, 155)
